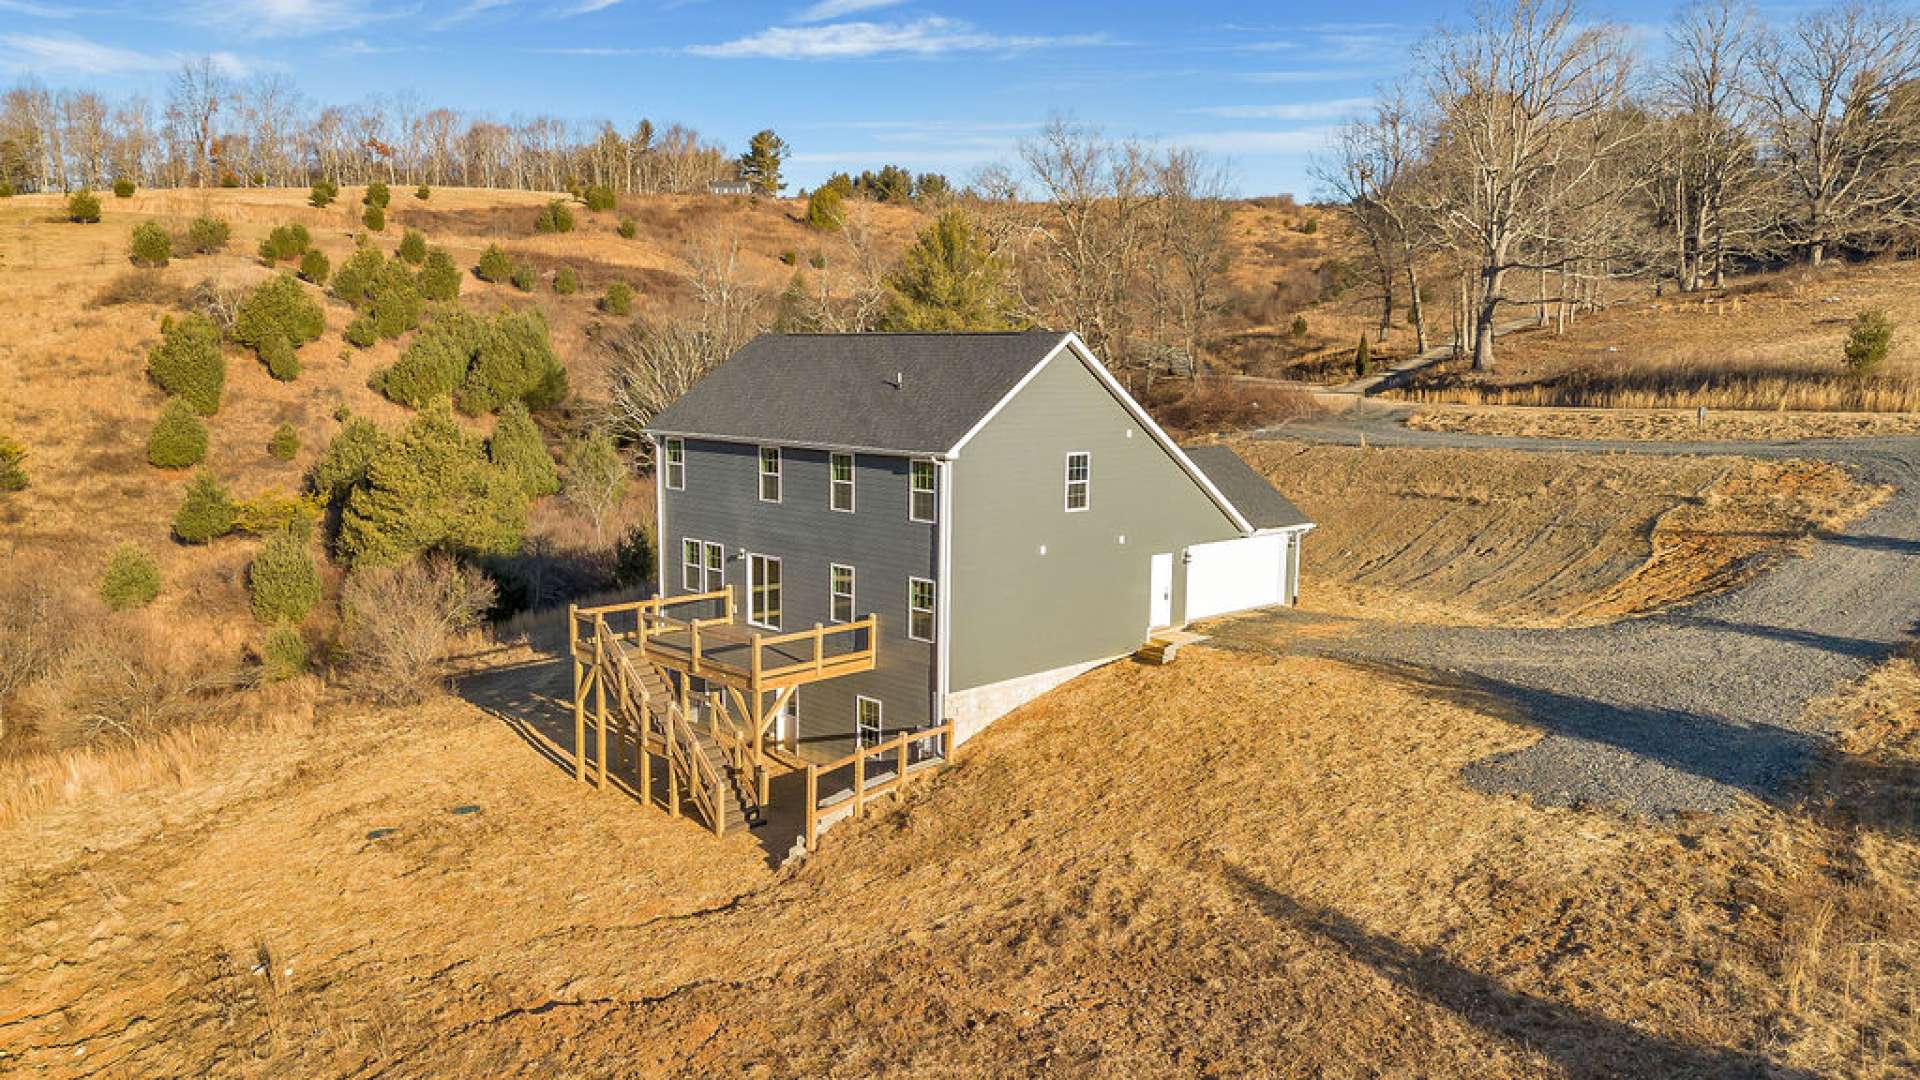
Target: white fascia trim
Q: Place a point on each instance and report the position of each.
(1280, 529)
(742, 440)
(660, 519)
(943, 586)
(1140, 417)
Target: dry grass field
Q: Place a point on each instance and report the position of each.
(1768, 342)
(74, 388)
(1512, 537)
(1242, 864)
(1236, 864)
(1659, 425)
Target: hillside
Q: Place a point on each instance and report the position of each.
(74, 388)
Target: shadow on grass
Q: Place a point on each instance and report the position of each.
(1583, 1043)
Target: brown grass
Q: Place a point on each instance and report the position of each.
(1504, 536)
(1770, 342)
(1656, 425)
(1330, 901)
(1211, 406)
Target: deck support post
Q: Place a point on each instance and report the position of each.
(600, 707)
(579, 696)
(813, 804)
(859, 782)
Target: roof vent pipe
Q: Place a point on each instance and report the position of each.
(899, 380)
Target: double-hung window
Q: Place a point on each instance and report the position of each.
(840, 592)
(1079, 480)
(920, 609)
(691, 566)
(920, 493)
(763, 591)
(703, 566)
(769, 474)
(840, 482)
(674, 454)
(868, 727)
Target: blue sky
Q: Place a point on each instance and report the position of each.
(850, 84)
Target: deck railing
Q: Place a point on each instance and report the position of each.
(770, 660)
(899, 749)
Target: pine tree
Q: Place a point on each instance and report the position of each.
(282, 583)
(518, 449)
(206, 513)
(433, 490)
(760, 164)
(495, 266)
(347, 460)
(1869, 340)
(131, 580)
(150, 246)
(178, 439)
(825, 208)
(285, 442)
(1362, 357)
(948, 281)
(439, 278)
(795, 312)
(413, 247)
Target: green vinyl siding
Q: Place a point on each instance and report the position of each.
(1016, 611)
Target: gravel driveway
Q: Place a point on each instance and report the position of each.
(1681, 710)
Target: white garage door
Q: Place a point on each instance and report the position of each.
(1233, 575)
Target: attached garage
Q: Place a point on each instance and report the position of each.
(1234, 575)
(1247, 571)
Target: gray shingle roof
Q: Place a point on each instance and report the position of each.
(1247, 490)
(838, 389)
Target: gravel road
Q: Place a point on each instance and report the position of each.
(1683, 710)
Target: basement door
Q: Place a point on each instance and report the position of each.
(1160, 592)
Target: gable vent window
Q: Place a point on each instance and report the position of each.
(769, 474)
(840, 491)
(675, 452)
(1079, 481)
(920, 499)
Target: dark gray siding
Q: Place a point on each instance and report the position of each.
(721, 503)
(1016, 610)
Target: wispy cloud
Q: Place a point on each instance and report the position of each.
(79, 56)
(931, 36)
(39, 11)
(1304, 75)
(294, 18)
(1295, 110)
(588, 7)
(469, 10)
(1299, 142)
(834, 9)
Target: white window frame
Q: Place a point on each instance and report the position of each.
(756, 617)
(714, 563)
(833, 595)
(693, 571)
(1085, 483)
(673, 453)
(932, 491)
(835, 484)
(932, 611)
(764, 475)
(860, 738)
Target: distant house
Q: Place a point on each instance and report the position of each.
(729, 187)
(867, 537)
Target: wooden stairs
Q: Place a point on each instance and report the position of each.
(1164, 645)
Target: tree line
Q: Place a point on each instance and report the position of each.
(1535, 148)
(214, 130)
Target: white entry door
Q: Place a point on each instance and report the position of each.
(1160, 592)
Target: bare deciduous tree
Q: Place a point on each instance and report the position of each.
(1846, 144)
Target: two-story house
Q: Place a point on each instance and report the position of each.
(1004, 509)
